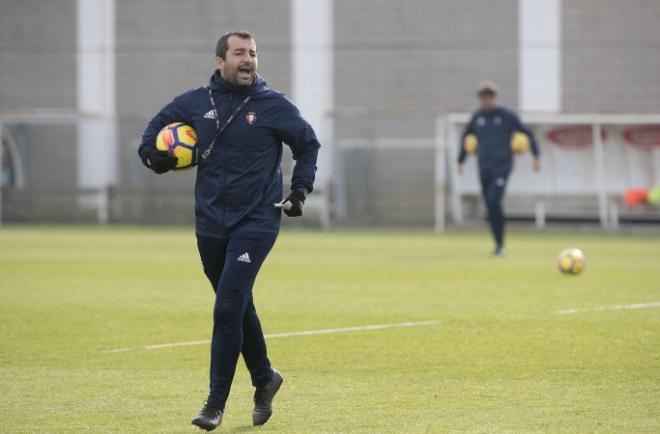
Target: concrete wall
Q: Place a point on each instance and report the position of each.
(38, 70)
(422, 54)
(37, 54)
(610, 56)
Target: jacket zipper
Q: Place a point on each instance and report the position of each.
(224, 174)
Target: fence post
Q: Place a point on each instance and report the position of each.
(451, 138)
(439, 173)
(599, 160)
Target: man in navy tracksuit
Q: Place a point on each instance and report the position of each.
(493, 125)
(241, 125)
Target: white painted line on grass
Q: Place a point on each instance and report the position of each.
(176, 344)
(118, 350)
(609, 308)
(291, 334)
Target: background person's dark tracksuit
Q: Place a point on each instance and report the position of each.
(236, 222)
(493, 130)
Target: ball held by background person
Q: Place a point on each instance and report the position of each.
(470, 144)
(520, 142)
(180, 140)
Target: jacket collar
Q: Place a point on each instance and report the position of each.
(494, 112)
(219, 84)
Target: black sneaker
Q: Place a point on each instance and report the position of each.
(263, 399)
(209, 417)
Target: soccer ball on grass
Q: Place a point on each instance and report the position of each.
(571, 261)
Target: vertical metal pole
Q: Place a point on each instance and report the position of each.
(440, 175)
(454, 194)
(614, 215)
(338, 179)
(601, 188)
(103, 206)
(539, 214)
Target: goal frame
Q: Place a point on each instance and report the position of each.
(95, 198)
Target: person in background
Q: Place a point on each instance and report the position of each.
(493, 125)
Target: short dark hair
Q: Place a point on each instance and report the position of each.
(486, 92)
(222, 46)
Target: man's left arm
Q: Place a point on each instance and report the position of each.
(301, 138)
(536, 152)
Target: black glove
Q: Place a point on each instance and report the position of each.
(297, 199)
(158, 161)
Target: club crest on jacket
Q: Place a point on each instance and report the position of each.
(251, 118)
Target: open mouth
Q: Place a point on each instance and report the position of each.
(245, 72)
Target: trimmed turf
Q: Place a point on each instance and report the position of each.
(499, 360)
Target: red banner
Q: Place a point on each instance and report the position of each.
(572, 137)
(643, 136)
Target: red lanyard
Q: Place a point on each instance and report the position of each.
(218, 129)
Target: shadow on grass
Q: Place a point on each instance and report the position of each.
(244, 428)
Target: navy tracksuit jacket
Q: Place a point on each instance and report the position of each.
(241, 180)
(236, 222)
(493, 130)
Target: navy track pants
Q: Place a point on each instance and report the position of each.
(231, 265)
(493, 187)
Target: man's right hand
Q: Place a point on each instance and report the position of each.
(158, 161)
(460, 168)
(296, 201)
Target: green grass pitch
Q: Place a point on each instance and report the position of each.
(500, 359)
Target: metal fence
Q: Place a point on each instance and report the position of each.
(391, 168)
